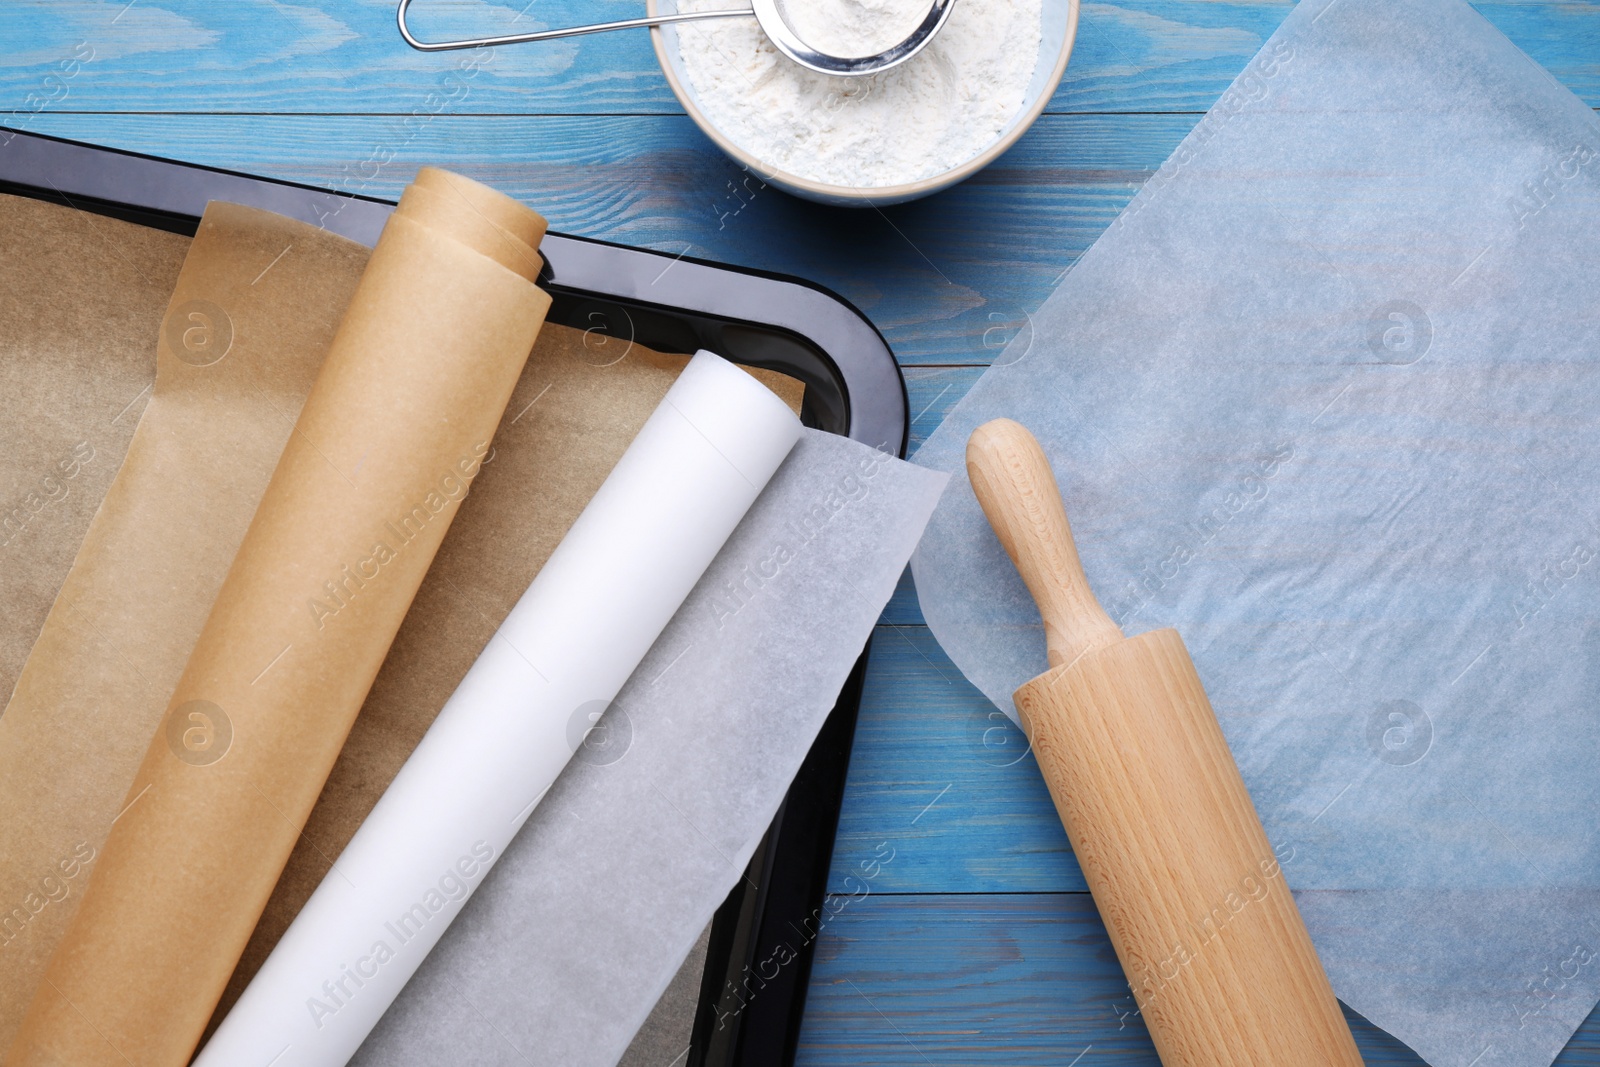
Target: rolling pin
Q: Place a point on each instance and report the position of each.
(1180, 868)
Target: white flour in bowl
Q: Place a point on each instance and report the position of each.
(932, 113)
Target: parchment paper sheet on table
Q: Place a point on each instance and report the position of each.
(1326, 398)
(568, 943)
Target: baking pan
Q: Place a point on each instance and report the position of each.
(670, 304)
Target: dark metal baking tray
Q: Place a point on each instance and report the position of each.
(670, 304)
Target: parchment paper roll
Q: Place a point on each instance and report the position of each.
(522, 710)
(395, 428)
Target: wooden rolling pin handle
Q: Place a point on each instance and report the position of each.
(1017, 489)
(1182, 873)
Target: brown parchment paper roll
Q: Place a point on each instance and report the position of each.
(83, 299)
(395, 429)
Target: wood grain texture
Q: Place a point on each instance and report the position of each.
(345, 56)
(1182, 873)
(1181, 870)
(958, 981)
(1017, 490)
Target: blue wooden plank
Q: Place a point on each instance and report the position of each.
(968, 980)
(947, 279)
(267, 56)
(943, 781)
(925, 981)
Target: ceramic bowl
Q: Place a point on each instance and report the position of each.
(1060, 26)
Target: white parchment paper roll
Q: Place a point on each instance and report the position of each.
(559, 659)
(560, 955)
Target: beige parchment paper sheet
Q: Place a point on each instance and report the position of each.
(578, 403)
(92, 292)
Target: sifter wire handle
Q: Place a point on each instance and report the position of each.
(551, 35)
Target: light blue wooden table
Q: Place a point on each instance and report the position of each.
(976, 943)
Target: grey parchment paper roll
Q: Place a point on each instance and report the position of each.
(214, 402)
(393, 432)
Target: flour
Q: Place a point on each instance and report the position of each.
(853, 27)
(932, 113)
